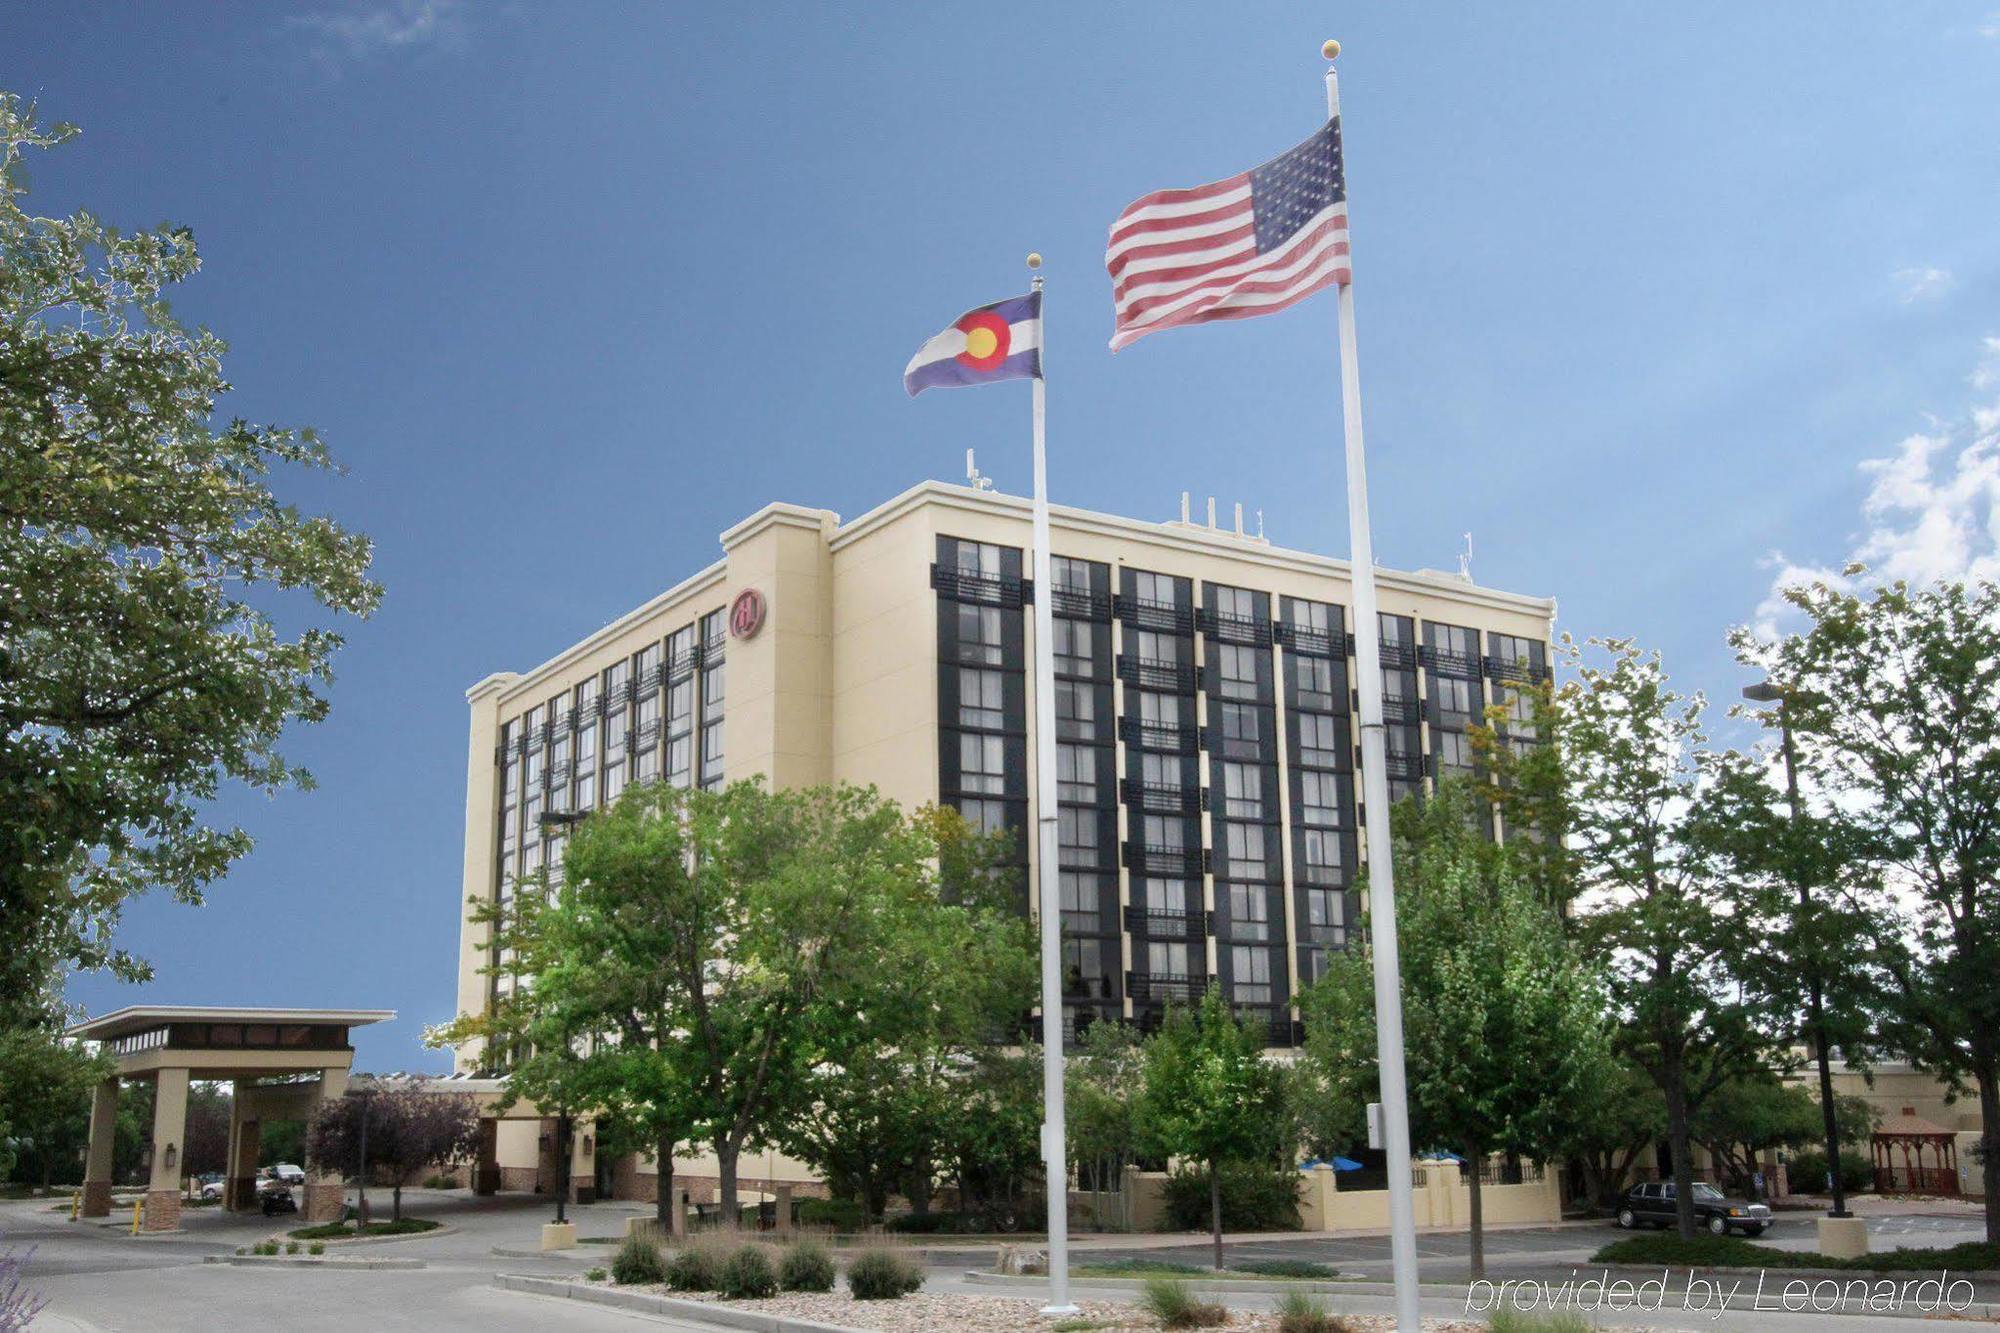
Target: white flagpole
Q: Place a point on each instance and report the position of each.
(1375, 797)
(1055, 1158)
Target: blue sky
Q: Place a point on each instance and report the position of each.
(1661, 303)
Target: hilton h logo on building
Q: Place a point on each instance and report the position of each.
(746, 614)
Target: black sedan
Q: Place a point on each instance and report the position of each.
(1653, 1205)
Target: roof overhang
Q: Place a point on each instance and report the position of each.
(144, 1017)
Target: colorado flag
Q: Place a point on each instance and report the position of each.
(1002, 341)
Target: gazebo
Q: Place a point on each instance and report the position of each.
(284, 1063)
(1908, 1135)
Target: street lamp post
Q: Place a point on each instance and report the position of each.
(1765, 692)
(562, 819)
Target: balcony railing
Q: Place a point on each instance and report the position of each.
(1162, 923)
(1235, 629)
(1162, 986)
(960, 586)
(1163, 798)
(1399, 708)
(1523, 673)
(1407, 767)
(1154, 674)
(1447, 663)
(1170, 737)
(1139, 613)
(1080, 604)
(1398, 656)
(1313, 642)
(1158, 859)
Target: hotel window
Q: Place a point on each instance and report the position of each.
(1319, 799)
(1247, 856)
(1312, 616)
(680, 708)
(1319, 740)
(979, 634)
(585, 786)
(981, 559)
(1239, 723)
(1455, 639)
(1070, 575)
(1081, 904)
(1076, 835)
(1159, 710)
(1168, 958)
(1076, 773)
(1315, 678)
(1155, 588)
(1238, 603)
(1084, 970)
(984, 816)
(1322, 854)
(646, 717)
(1243, 791)
(1152, 647)
(1249, 912)
(1163, 770)
(979, 694)
(1517, 705)
(1236, 670)
(614, 755)
(1454, 754)
(1076, 701)
(1166, 895)
(1457, 699)
(1074, 641)
(531, 857)
(1252, 981)
(713, 640)
(1325, 909)
(982, 764)
(1165, 833)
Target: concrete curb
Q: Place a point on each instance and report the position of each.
(1269, 1286)
(309, 1261)
(1848, 1274)
(701, 1312)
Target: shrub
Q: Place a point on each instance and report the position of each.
(1300, 1313)
(291, 1247)
(695, 1267)
(317, 1247)
(241, 1250)
(594, 1275)
(1254, 1198)
(747, 1275)
(839, 1214)
(441, 1182)
(925, 1224)
(1297, 1268)
(638, 1262)
(1175, 1305)
(807, 1266)
(265, 1248)
(883, 1275)
(1517, 1321)
(1807, 1169)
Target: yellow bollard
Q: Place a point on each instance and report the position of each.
(75, 1205)
(138, 1208)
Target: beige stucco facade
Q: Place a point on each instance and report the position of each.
(841, 680)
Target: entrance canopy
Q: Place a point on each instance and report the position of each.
(170, 1044)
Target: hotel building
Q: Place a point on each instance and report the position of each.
(1204, 704)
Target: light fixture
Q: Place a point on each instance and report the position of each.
(172, 1157)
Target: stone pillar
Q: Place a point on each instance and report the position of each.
(326, 1195)
(239, 1173)
(103, 1138)
(163, 1188)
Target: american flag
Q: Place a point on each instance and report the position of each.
(1245, 246)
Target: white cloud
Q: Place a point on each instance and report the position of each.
(1921, 284)
(404, 25)
(1932, 510)
(1991, 27)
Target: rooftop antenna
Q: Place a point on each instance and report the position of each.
(972, 477)
(1260, 525)
(1465, 560)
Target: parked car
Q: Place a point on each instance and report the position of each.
(210, 1186)
(1653, 1205)
(290, 1174)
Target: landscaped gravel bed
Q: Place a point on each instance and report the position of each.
(927, 1312)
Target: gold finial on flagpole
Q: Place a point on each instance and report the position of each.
(1330, 49)
(1034, 259)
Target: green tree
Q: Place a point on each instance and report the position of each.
(45, 1090)
(1102, 1079)
(1607, 1131)
(1664, 922)
(137, 673)
(1894, 700)
(1753, 1113)
(1208, 1094)
(1504, 1028)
